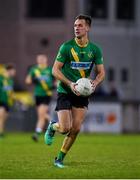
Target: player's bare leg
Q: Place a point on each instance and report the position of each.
(63, 126)
(42, 112)
(65, 121)
(3, 117)
(78, 115)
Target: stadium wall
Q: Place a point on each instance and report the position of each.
(102, 117)
(22, 38)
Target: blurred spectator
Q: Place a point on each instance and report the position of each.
(99, 94)
(100, 91)
(111, 92)
(114, 92)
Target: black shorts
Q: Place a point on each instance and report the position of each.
(5, 106)
(67, 101)
(42, 100)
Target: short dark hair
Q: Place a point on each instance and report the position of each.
(87, 18)
(9, 66)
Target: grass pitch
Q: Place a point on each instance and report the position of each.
(92, 156)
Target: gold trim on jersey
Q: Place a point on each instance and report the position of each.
(85, 45)
(76, 58)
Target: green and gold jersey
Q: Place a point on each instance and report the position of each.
(78, 61)
(6, 90)
(44, 80)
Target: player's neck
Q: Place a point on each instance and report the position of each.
(82, 42)
(42, 66)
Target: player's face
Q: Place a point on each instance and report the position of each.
(12, 72)
(42, 60)
(80, 28)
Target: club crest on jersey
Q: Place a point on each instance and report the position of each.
(90, 54)
(80, 65)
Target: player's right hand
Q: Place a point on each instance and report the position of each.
(72, 86)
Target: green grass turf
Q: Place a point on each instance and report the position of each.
(92, 156)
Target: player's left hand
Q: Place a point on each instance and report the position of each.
(72, 86)
(94, 84)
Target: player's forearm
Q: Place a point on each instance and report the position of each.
(59, 75)
(100, 77)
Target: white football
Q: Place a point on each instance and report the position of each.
(84, 86)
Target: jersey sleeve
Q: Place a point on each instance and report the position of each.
(50, 69)
(62, 54)
(98, 56)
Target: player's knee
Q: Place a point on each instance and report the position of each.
(75, 131)
(65, 130)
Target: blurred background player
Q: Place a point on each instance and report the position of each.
(41, 76)
(75, 59)
(6, 94)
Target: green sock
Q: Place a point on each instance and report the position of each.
(61, 155)
(37, 134)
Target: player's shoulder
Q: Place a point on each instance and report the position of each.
(68, 44)
(49, 68)
(32, 68)
(95, 45)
